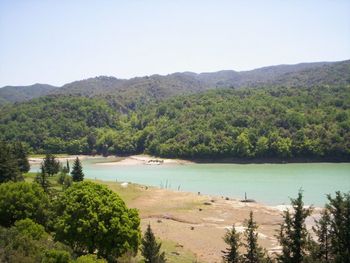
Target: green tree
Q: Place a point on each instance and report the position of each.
(232, 239)
(243, 145)
(67, 166)
(150, 249)
(9, 170)
(56, 256)
(77, 171)
(22, 200)
(294, 237)
(322, 231)
(21, 155)
(27, 242)
(51, 165)
(90, 217)
(339, 209)
(254, 253)
(42, 179)
(65, 180)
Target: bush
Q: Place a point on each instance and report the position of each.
(22, 200)
(27, 242)
(90, 259)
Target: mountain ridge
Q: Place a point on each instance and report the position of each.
(157, 87)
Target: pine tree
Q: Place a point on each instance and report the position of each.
(21, 156)
(322, 231)
(254, 253)
(231, 254)
(284, 240)
(9, 170)
(51, 165)
(150, 249)
(293, 236)
(42, 179)
(77, 171)
(67, 167)
(339, 209)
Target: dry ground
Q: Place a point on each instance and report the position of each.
(196, 223)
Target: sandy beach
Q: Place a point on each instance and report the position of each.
(146, 160)
(117, 160)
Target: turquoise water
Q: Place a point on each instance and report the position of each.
(271, 184)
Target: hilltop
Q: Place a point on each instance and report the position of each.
(157, 87)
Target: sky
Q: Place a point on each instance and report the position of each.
(56, 42)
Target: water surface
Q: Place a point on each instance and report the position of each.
(271, 184)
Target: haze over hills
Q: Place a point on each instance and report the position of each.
(11, 94)
(157, 87)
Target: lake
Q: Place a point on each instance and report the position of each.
(270, 184)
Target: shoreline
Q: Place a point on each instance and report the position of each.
(146, 159)
(187, 217)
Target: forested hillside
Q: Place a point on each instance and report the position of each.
(154, 88)
(11, 94)
(249, 123)
(272, 122)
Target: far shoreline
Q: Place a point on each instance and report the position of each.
(145, 159)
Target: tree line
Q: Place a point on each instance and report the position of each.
(271, 122)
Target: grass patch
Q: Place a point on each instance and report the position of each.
(177, 254)
(128, 194)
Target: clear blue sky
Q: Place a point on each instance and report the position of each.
(56, 42)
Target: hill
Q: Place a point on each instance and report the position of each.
(271, 122)
(12, 94)
(128, 92)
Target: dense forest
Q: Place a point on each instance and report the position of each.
(274, 122)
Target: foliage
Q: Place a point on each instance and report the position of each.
(232, 239)
(293, 236)
(27, 242)
(271, 122)
(9, 170)
(339, 227)
(129, 92)
(22, 200)
(76, 120)
(322, 231)
(65, 180)
(89, 259)
(56, 256)
(150, 249)
(265, 123)
(77, 171)
(90, 217)
(50, 165)
(254, 253)
(42, 179)
(20, 154)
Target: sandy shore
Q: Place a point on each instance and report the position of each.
(198, 222)
(116, 160)
(146, 160)
(109, 159)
